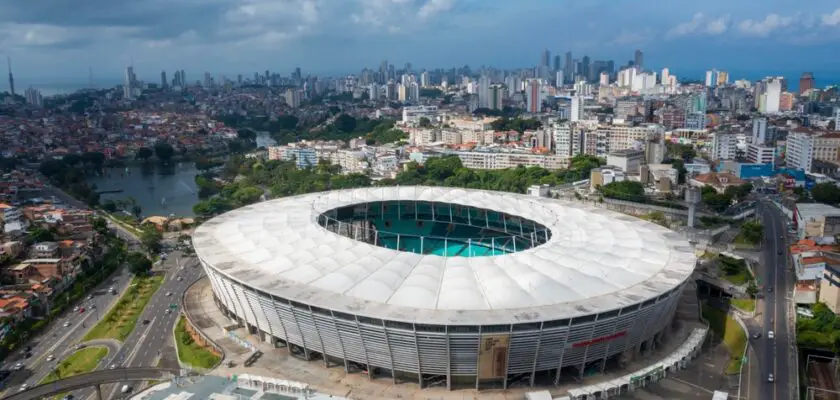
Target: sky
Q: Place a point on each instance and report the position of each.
(59, 40)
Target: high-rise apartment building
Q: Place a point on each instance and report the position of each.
(837, 118)
(806, 82)
(424, 79)
(800, 149)
(639, 59)
(484, 91)
(533, 94)
(724, 146)
(710, 78)
(163, 82)
(293, 98)
(557, 62)
(759, 130)
(569, 68)
(128, 85)
(546, 58)
(11, 76)
(496, 96)
(34, 98)
(577, 109)
(771, 97)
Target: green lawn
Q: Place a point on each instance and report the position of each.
(80, 362)
(121, 320)
(747, 305)
(734, 338)
(740, 278)
(190, 352)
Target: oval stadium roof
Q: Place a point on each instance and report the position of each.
(596, 260)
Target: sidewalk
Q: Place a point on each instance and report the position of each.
(277, 362)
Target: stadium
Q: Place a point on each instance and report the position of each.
(446, 287)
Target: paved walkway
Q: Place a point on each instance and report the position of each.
(278, 363)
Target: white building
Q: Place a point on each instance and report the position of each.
(724, 146)
(293, 98)
(628, 160)
(800, 150)
(577, 109)
(837, 118)
(773, 96)
(412, 115)
(497, 160)
(761, 154)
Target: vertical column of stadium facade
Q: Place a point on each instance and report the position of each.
(276, 314)
(364, 348)
(321, 320)
(340, 341)
(240, 292)
(251, 299)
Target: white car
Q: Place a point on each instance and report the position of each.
(50, 357)
(169, 293)
(18, 366)
(66, 324)
(771, 335)
(23, 387)
(771, 378)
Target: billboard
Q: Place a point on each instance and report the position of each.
(492, 357)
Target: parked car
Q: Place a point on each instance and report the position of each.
(771, 335)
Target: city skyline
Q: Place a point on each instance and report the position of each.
(229, 36)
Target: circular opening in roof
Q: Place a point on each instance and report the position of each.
(442, 229)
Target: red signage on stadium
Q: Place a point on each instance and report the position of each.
(600, 339)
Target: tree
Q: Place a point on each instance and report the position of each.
(150, 239)
(138, 263)
(93, 158)
(624, 190)
(752, 289)
(345, 123)
(752, 232)
(144, 153)
(72, 159)
(39, 234)
(424, 122)
(164, 151)
(247, 195)
(826, 193)
(100, 225)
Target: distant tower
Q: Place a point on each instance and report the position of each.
(11, 77)
(692, 197)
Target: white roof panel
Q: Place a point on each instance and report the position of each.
(595, 260)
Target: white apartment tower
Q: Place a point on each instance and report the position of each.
(800, 150)
(424, 79)
(837, 118)
(773, 95)
(724, 146)
(484, 92)
(577, 109)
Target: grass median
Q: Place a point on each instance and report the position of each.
(190, 352)
(747, 305)
(121, 320)
(733, 336)
(80, 362)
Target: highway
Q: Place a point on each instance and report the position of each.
(124, 375)
(56, 338)
(152, 344)
(775, 355)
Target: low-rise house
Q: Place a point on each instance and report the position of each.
(718, 180)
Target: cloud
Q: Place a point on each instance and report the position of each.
(699, 24)
(832, 19)
(687, 28)
(718, 26)
(631, 37)
(432, 7)
(763, 28)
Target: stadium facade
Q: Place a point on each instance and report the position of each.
(443, 286)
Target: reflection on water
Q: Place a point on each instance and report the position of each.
(158, 189)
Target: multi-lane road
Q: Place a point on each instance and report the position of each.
(774, 355)
(56, 337)
(151, 344)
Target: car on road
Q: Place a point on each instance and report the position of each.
(769, 289)
(80, 346)
(50, 357)
(66, 324)
(168, 311)
(757, 335)
(771, 378)
(81, 310)
(23, 387)
(145, 322)
(113, 366)
(18, 367)
(180, 278)
(771, 335)
(112, 290)
(68, 397)
(169, 293)
(90, 297)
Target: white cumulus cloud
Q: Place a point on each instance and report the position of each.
(718, 26)
(832, 19)
(770, 23)
(687, 28)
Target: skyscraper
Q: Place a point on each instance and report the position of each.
(639, 59)
(11, 77)
(546, 58)
(806, 82)
(568, 68)
(163, 82)
(128, 85)
(534, 96)
(484, 92)
(496, 95)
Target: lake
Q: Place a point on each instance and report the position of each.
(159, 190)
